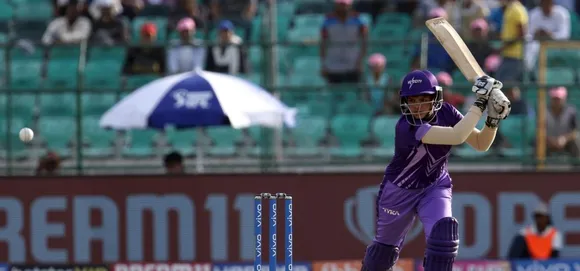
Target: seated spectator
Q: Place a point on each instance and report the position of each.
(479, 43)
(470, 11)
(108, 28)
(173, 163)
(519, 106)
(539, 241)
(113, 7)
(561, 126)
(343, 44)
(377, 80)
(437, 57)
(146, 58)
(69, 29)
(491, 64)
(547, 22)
(187, 53)
(228, 56)
(240, 12)
(445, 81)
(48, 164)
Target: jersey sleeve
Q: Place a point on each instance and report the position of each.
(407, 135)
(456, 116)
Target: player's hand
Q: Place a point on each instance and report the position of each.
(498, 108)
(484, 84)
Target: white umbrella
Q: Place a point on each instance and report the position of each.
(195, 99)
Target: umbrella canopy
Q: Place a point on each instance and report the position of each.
(196, 99)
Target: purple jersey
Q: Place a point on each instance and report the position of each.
(417, 165)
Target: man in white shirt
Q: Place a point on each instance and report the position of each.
(188, 53)
(548, 21)
(68, 29)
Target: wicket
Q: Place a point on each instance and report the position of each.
(272, 246)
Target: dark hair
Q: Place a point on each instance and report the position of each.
(173, 157)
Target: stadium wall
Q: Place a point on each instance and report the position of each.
(207, 218)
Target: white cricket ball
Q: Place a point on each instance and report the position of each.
(26, 134)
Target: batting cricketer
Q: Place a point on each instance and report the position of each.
(416, 182)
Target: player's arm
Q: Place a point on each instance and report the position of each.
(498, 108)
(457, 134)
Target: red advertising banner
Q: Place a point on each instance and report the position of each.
(209, 218)
(355, 265)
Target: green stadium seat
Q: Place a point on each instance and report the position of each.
(102, 75)
(5, 11)
(182, 140)
(575, 26)
(106, 53)
(307, 65)
(25, 74)
(283, 26)
(141, 143)
(224, 140)
(307, 80)
(401, 20)
(355, 107)
(307, 135)
(306, 34)
(256, 57)
(309, 21)
(563, 58)
(379, 32)
(259, 136)
(316, 108)
(383, 130)
(350, 130)
(33, 11)
(24, 106)
(57, 133)
(256, 33)
(62, 52)
(160, 22)
(100, 141)
(97, 103)
(62, 74)
(134, 82)
(58, 104)
(560, 76)
(519, 131)
(18, 147)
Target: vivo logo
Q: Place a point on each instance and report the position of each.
(259, 215)
(274, 215)
(259, 245)
(274, 244)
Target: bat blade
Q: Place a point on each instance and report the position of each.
(455, 47)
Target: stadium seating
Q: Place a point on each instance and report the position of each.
(334, 121)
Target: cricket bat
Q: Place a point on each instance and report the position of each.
(455, 47)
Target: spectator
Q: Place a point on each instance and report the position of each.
(495, 20)
(188, 53)
(519, 106)
(472, 10)
(515, 23)
(146, 58)
(343, 44)
(377, 80)
(69, 29)
(240, 12)
(547, 22)
(173, 163)
(227, 56)
(437, 58)
(479, 44)
(449, 6)
(113, 7)
(131, 8)
(449, 96)
(539, 241)
(48, 164)
(491, 64)
(190, 9)
(108, 28)
(561, 126)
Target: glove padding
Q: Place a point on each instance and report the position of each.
(498, 108)
(483, 86)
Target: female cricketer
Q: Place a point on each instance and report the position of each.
(416, 181)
